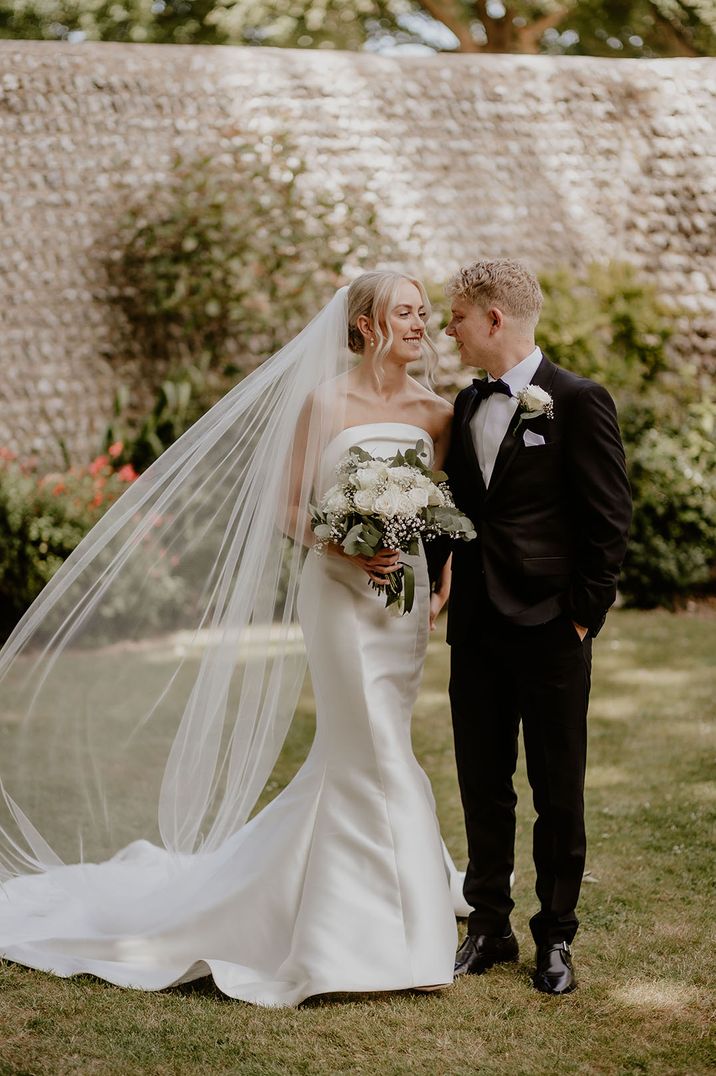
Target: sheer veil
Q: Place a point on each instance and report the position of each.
(147, 692)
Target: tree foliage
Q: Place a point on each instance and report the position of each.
(588, 27)
(144, 21)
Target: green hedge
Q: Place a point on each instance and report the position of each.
(672, 549)
(608, 323)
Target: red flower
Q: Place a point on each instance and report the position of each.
(115, 449)
(58, 489)
(97, 500)
(127, 473)
(98, 464)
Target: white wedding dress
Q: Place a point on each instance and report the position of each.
(341, 883)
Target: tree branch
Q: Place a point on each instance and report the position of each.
(529, 36)
(447, 13)
(673, 33)
(499, 32)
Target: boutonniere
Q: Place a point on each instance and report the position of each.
(533, 401)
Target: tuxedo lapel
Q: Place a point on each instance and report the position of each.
(546, 373)
(468, 443)
(543, 377)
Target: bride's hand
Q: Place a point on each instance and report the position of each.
(382, 564)
(376, 568)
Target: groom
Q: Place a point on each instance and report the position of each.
(537, 463)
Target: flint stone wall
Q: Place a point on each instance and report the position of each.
(552, 160)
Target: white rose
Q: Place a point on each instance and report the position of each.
(401, 474)
(387, 504)
(436, 496)
(368, 475)
(406, 505)
(535, 400)
(419, 497)
(363, 499)
(336, 502)
(393, 483)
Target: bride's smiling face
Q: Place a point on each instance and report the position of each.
(406, 319)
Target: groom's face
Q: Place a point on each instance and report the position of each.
(470, 327)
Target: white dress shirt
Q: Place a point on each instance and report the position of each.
(489, 423)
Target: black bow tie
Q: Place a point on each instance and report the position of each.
(486, 388)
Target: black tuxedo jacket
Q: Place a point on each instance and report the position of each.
(552, 525)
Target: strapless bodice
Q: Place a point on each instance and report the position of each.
(382, 439)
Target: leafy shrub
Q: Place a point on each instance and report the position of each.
(609, 323)
(672, 550)
(43, 518)
(181, 399)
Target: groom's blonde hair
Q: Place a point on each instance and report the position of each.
(503, 283)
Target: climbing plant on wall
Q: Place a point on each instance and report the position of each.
(235, 250)
(223, 263)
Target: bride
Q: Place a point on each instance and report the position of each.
(147, 693)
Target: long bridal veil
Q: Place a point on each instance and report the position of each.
(148, 690)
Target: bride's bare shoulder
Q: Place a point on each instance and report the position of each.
(437, 411)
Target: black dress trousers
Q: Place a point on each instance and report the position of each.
(540, 675)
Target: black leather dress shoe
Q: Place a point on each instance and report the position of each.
(480, 951)
(554, 973)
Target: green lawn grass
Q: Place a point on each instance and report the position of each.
(644, 953)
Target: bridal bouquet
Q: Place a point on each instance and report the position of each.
(380, 504)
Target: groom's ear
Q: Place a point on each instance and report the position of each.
(497, 319)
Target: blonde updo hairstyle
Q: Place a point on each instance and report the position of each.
(373, 295)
